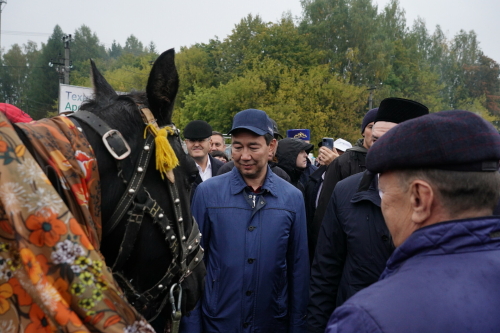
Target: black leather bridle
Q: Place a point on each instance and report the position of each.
(135, 202)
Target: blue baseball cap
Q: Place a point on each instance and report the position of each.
(253, 120)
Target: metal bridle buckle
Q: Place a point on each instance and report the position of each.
(110, 149)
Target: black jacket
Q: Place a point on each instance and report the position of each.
(216, 165)
(274, 168)
(353, 247)
(287, 152)
(348, 164)
(310, 195)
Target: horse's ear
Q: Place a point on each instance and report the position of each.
(102, 89)
(163, 84)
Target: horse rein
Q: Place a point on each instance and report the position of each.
(140, 202)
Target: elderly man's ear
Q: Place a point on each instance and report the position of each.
(422, 197)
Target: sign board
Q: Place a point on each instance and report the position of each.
(71, 97)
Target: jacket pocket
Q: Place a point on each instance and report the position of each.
(282, 294)
(213, 292)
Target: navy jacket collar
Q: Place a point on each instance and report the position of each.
(368, 189)
(237, 183)
(457, 236)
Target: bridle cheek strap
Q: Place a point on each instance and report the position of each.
(166, 159)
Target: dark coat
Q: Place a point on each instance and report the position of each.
(353, 247)
(216, 165)
(311, 193)
(287, 152)
(348, 164)
(443, 278)
(274, 168)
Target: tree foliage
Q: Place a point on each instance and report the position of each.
(311, 72)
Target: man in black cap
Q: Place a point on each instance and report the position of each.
(350, 163)
(437, 201)
(197, 136)
(254, 236)
(353, 242)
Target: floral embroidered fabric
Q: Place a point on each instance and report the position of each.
(52, 279)
(64, 149)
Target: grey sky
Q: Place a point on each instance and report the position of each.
(186, 22)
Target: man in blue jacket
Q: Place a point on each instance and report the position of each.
(439, 183)
(255, 239)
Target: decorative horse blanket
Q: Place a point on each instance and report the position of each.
(52, 278)
(60, 146)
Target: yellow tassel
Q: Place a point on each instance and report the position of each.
(166, 159)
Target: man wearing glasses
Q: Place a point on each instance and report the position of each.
(197, 136)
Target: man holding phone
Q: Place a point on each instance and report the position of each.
(327, 152)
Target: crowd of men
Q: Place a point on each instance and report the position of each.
(397, 233)
(393, 234)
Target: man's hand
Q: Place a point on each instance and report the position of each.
(326, 156)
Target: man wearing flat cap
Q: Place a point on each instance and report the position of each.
(255, 240)
(197, 136)
(437, 201)
(354, 242)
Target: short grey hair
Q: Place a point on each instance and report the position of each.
(459, 191)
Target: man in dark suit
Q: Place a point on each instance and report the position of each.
(197, 136)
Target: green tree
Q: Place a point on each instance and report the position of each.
(133, 46)
(312, 98)
(483, 80)
(44, 88)
(86, 45)
(115, 50)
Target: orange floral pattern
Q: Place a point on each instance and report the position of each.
(3, 146)
(52, 279)
(63, 147)
(6, 291)
(40, 323)
(76, 229)
(46, 230)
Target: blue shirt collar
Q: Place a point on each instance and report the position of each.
(237, 183)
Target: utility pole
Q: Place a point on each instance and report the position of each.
(370, 98)
(63, 65)
(67, 63)
(3, 3)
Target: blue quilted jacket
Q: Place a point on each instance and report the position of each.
(443, 278)
(256, 257)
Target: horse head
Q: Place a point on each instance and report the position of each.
(150, 256)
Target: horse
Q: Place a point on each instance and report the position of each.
(149, 238)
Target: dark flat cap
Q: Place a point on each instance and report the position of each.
(197, 130)
(397, 110)
(448, 140)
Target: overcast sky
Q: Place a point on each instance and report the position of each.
(185, 22)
